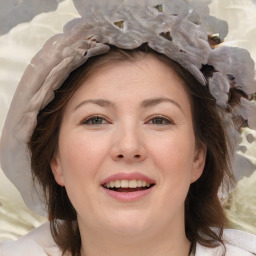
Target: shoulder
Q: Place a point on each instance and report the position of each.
(38, 242)
(237, 243)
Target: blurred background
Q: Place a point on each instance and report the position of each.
(24, 27)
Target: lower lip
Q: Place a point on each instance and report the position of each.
(128, 196)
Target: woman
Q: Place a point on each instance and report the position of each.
(127, 118)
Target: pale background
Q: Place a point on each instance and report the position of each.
(26, 24)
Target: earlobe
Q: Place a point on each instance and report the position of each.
(57, 170)
(199, 162)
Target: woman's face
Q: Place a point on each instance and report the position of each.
(129, 127)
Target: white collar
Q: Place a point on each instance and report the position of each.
(40, 242)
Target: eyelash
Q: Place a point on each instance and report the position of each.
(163, 118)
(89, 119)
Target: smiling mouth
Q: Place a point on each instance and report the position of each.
(127, 185)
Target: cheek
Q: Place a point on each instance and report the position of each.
(174, 153)
(173, 157)
(81, 157)
(81, 160)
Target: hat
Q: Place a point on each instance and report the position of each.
(182, 30)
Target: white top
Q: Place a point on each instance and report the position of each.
(39, 242)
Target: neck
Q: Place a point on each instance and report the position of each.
(164, 243)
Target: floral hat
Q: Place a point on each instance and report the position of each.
(182, 30)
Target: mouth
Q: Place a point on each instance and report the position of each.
(127, 185)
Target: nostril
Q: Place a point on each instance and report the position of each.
(134, 156)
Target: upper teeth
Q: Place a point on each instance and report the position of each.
(126, 184)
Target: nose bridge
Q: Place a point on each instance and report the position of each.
(128, 142)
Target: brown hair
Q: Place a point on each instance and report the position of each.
(202, 207)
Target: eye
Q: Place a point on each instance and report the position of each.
(160, 120)
(94, 120)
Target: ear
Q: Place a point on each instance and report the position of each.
(199, 162)
(57, 169)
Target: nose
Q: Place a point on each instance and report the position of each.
(128, 145)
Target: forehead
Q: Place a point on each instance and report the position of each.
(137, 79)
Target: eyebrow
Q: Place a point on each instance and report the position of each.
(154, 101)
(99, 102)
(144, 104)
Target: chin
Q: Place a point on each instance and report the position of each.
(129, 223)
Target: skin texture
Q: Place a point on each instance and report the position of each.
(156, 140)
